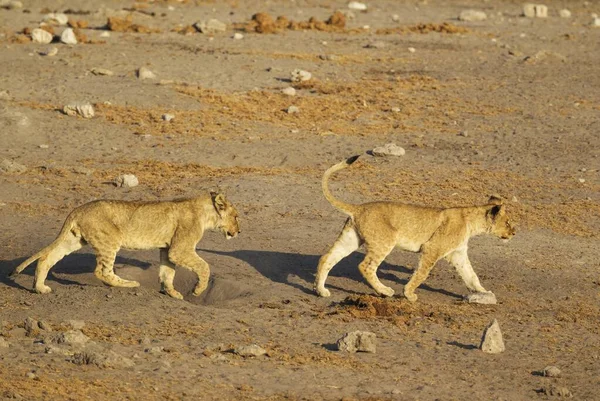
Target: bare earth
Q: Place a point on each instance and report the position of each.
(506, 106)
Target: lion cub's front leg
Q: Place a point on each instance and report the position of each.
(166, 275)
(190, 260)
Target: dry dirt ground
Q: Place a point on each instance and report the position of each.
(507, 106)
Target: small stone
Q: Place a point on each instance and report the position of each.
(68, 37)
(551, 371)
(145, 73)
(31, 326)
(102, 359)
(472, 15)
(168, 117)
(73, 337)
(101, 71)
(250, 350)
(491, 341)
(11, 4)
(596, 22)
(211, 26)
(395, 109)
(126, 181)
(564, 13)
(558, 391)
(390, 149)
(238, 36)
(289, 91)
(56, 19)
(41, 36)
(412, 49)
(44, 325)
(300, 75)
(357, 5)
(4, 343)
(105, 34)
(31, 375)
(375, 45)
(535, 10)
(50, 52)
(395, 18)
(293, 110)
(582, 180)
(76, 324)
(354, 341)
(85, 110)
(485, 298)
(11, 167)
(43, 146)
(154, 350)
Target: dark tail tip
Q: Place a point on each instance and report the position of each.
(13, 275)
(352, 159)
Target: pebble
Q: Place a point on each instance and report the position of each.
(249, 350)
(293, 110)
(211, 26)
(412, 49)
(73, 337)
(168, 117)
(551, 371)
(472, 15)
(154, 350)
(289, 91)
(485, 298)
(126, 181)
(4, 343)
(535, 10)
(101, 71)
(31, 375)
(105, 34)
(300, 75)
(50, 52)
(31, 326)
(85, 110)
(375, 45)
(68, 37)
(559, 391)
(44, 325)
(10, 166)
(564, 13)
(396, 110)
(363, 341)
(596, 22)
(41, 36)
(11, 4)
(102, 359)
(389, 149)
(56, 19)
(357, 5)
(238, 36)
(395, 18)
(145, 73)
(491, 341)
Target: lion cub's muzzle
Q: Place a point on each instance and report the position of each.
(230, 235)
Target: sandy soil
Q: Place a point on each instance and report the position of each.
(506, 106)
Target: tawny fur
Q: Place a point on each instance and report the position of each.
(107, 226)
(435, 233)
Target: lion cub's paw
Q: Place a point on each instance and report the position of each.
(386, 291)
(43, 289)
(129, 284)
(199, 290)
(412, 297)
(323, 292)
(173, 294)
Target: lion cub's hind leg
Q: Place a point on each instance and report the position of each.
(376, 253)
(70, 244)
(167, 274)
(347, 242)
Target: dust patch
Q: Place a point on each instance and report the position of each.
(265, 23)
(445, 28)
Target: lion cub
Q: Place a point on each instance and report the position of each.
(174, 227)
(436, 233)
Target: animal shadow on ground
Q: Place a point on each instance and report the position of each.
(76, 263)
(280, 266)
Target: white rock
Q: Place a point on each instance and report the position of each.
(396, 110)
(596, 22)
(395, 18)
(85, 110)
(40, 36)
(105, 34)
(11, 167)
(126, 181)
(357, 5)
(289, 91)
(485, 298)
(492, 342)
(354, 341)
(101, 71)
(68, 37)
(11, 4)
(564, 13)
(238, 36)
(531, 10)
(293, 110)
(50, 52)
(389, 149)
(168, 117)
(145, 73)
(472, 15)
(412, 49)
(250, 350)
(44, 146)
(551, 371)
(300, 75)
(56, 19)
(74, 337)
(211, 26)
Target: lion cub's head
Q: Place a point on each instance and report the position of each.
(500, 224)
(229, 222)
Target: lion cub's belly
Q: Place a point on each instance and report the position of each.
(410, 245)
(150, 237)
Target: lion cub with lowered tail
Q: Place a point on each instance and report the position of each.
(106, 225)
(436, 233)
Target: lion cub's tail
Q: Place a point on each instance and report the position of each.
(344, 207)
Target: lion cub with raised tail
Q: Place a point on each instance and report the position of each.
(435, 233)
(175, 227)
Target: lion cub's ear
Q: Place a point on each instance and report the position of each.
(495, 200)
(219, 201)
(495, 211)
